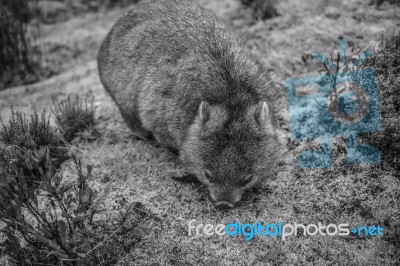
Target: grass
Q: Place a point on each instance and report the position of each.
(29, 133)
(386, 64)
(74, 115)
(136, 171)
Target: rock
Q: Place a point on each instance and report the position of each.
(332, 12)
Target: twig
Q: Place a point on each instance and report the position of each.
(113, 233)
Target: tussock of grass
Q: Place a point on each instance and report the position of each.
(74, 115)
(28, 133)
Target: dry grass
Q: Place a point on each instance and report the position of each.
(74, 115)
(136, 171)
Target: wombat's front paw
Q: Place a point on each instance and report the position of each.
(142, 134)
(189, 178)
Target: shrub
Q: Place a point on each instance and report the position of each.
(386, 62)
(262, 9)
(46, 224)
(21, 137)
(74, 115)
(30, 133)
(53, 224)
(45, 220)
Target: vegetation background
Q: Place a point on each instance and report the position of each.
(132, 177)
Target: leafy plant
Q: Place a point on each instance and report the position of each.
(74, 115)
(52, 223)
(45, 224)
(21, 137)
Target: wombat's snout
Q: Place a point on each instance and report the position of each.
(224, 205)
(225, 198)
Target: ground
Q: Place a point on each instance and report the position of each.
(128, 170)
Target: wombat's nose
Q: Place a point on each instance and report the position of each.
(224, 205)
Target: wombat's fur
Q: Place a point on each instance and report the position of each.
(178, 73)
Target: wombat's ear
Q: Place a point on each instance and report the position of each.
(262, 113)
(204, 112)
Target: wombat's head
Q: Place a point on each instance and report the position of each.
(231, 149)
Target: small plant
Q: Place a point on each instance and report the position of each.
(46, 224)
(262, 9)
(385, 63)
(74, 115)
(343, 102)
(21, 137)
(339, 63)
(29, 134)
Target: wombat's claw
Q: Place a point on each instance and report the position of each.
(189, 178)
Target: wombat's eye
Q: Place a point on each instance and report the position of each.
(247, 180)
(208, 175)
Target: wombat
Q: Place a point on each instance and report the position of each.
(180, 75)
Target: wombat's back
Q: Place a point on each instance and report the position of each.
(143, 50)
(162, 58)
